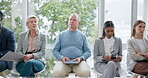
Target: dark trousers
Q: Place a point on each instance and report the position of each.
(27, 69)
(2, 65)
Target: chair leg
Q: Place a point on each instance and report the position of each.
(135, 76)
(141, 77)
(37, 75)
(72, 75)
(2, 74)
(99, 75)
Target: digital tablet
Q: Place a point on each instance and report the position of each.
(71, 62)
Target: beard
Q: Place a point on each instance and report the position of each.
(73, 27)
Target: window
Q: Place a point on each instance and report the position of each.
(53, 16)
(121, 17)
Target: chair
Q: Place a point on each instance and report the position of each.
(98, 75)
(135, 75)
(71, 75)
(138, 75)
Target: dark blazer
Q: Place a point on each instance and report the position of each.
(7, 43)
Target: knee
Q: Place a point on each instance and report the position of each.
(3, 66)
(29, 63)
(111, 65)
(58, 73)
(84, 73)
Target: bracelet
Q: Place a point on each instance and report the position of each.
(81, 59)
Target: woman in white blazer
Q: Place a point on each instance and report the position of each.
(137, 47)
(31, 45)
(108, 52)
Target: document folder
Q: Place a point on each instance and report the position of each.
(11, 56)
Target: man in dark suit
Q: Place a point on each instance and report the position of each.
(7, 43)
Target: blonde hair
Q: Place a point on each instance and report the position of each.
(32, 16)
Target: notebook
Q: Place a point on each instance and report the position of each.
(11, 56)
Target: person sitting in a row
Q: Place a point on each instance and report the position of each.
(137, 47)
(71, 44)
(32, 45)
(7, 44)
(108, 52)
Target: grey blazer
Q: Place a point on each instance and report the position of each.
(99, 51)
(132, 57)
(39, 49)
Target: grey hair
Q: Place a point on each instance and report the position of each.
(74, 14)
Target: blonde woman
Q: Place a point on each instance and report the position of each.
(32, 45)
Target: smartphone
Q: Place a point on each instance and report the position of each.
(113, 57)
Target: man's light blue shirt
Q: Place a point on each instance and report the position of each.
(71, 44)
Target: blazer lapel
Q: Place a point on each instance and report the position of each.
(37, 42)
(2, 34)
(134, 44)
(102, 47)
(114, 47)
(26, 40)
(146, 44)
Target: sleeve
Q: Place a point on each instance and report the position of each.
(131, 52)
(86, 48)
(19, 49)
(57, 48)
(11, 42)
(120, 47)
(41, 52)
(97, 54)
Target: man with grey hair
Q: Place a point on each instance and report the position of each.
(71, 44)
(7, 44)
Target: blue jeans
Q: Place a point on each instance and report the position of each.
(27, 69)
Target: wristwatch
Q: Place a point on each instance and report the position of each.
(81, 59)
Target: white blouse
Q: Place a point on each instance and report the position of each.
(108, 45)
(140, 42)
